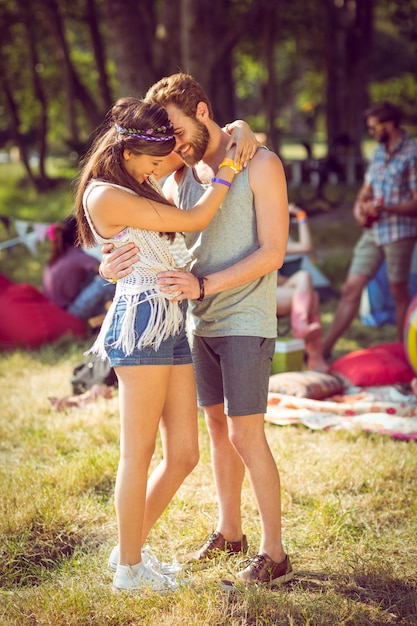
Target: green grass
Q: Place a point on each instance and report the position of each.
(349, 505)
(19, 200)
(349, 515)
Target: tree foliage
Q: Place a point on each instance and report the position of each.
(288, 66)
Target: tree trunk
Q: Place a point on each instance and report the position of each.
(131, 31)
(42, 126)
(349, 30)
(74, 89)
(93, 21)
(270, 91)
(198, 22)
(209, 32)
(15, 125)
(167, 47)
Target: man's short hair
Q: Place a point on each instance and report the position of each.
(182, 90)
(384, 112)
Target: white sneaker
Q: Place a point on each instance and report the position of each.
(139, 577)
(149, 559)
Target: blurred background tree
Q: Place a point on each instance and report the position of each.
(296, 70)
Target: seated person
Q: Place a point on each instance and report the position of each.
(297, 298)
(70, 278)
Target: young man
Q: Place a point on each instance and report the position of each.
(231, 288)
(386, 207)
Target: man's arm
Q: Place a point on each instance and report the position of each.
(362, 203)
(366, 205)
(408, 207)
(267, 180)
(117, 262)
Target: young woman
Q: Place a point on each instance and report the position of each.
(297, 297)
(144, 334)
(70, 278)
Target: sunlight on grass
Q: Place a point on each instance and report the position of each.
(349, 499)
(349, 519)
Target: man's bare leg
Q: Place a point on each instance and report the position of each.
(346, 310)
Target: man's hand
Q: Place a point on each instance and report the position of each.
(366, 211)
(178, 280)
(117, 262)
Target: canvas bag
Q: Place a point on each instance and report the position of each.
(92, 371)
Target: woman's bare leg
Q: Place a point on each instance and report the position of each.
(179, 435)
(142, 393)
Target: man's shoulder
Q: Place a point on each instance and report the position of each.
(265, 160)
(179, 173)
(172, 180)
(265, 153)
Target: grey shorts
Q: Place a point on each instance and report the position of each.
(234, 371)
(367, 257)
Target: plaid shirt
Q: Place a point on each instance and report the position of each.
(394, 177)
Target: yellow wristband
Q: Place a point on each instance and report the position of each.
(229, 163)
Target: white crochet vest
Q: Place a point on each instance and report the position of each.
(156, 254)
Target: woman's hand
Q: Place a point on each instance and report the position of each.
(245, 141)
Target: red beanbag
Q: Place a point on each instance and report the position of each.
(386, 364)
(28, 319)
(4, 282)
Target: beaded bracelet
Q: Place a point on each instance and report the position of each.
(230, 163)
(221, 181)
(201, 280)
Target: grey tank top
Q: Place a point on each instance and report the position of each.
(248, 310)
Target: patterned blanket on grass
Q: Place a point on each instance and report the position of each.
(384, 410)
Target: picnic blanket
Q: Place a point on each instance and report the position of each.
(387, 410)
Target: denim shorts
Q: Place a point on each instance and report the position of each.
(235, 371)
(173, 351)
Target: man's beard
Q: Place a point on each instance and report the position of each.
(384, 136)
(198, 144)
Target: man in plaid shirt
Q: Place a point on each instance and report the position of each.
(386, 207)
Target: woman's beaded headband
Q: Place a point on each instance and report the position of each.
(146, 134)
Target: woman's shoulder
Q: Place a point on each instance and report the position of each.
(95, 183)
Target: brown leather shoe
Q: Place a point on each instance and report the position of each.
(262, 569)
(215, 543)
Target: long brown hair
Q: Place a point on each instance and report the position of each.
(63, 236)
(132, 124)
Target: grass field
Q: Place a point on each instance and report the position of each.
(349, 502)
